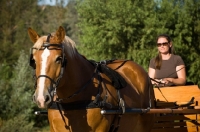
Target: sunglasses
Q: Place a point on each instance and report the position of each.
(162, 44)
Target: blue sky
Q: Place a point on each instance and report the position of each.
(50, 2)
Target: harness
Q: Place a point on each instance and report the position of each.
(99, 102)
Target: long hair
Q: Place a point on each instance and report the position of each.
(158, 59)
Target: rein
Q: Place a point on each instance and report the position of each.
(80, 90)
(96, 103)
(160, 82)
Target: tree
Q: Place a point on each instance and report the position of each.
(128, 29)
(16, 107)
(71, 20)
(15, 17)
(112, 29)
(186, 34)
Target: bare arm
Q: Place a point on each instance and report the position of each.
(181, 80)
(151, 73)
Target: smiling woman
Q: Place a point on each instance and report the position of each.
(167, 69)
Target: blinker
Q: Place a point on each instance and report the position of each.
(32, 62)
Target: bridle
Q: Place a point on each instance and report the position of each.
(54, 83)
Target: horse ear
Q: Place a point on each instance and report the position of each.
(60, 34)
(33, 35)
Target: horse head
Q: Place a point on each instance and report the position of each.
(48, 60)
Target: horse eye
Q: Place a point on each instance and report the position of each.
(58, 59)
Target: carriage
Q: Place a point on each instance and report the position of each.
(177, 109)
(107, 96)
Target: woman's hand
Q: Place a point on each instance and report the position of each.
(167, 80)
(159, 82)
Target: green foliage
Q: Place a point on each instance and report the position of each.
(70, 22)
(128, 29)
(17, 108)
(186, 37)
(113, 29)
(15, 17)
(18, 123)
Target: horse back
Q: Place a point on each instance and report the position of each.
(139, 90)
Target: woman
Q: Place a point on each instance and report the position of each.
(167, 68)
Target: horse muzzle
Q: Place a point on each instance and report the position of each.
(44, 100)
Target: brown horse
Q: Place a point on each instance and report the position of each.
(83, 88)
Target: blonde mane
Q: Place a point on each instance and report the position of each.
(69, 45)
(38, 44)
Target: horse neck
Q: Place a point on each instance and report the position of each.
(77, 73)
(79, 69)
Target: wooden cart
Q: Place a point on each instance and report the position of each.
(187, 115)
(177, 109)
